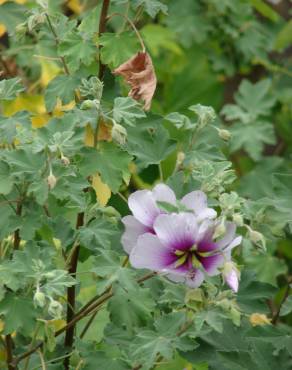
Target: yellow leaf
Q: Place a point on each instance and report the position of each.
(102, 191)
(32, 103)
(57, 324)
(14, 1)
(2, 29)
(259, 319)
(1, 326)
(75, 6)
(49, 71)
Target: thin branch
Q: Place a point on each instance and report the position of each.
(122, 197)
(127, 19)
(57, 41)
(42, 359)
(9, 352)
(17, 239)
(71, 296)
(101, 30)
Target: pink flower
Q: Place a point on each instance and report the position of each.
(183, 248)
(145, 210)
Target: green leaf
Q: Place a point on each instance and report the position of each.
(253, 101)
(11, 14)
(149, 141)
(152, 7)
(110, 161)
(159, 38)
(286, 307)
(265, 9)
(97, 234)
(62, 87)
(23, 161)
(148, 345)
(10, 126)
(132, 308)
(252, 295)
(284, 37)
(18, 313)
(77, 48)
(9, 89)
(117, 48)
(252, 138)
(267, 267)
(187, 22)
(6, 182)
(127, 110)
(108, 264)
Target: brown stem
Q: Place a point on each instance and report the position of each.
(9, 353)
(17, 239)
(71, 297)
(87, 309)
(101, 30)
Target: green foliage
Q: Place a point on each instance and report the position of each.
(74, 146)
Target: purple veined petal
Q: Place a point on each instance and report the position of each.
(235, 242)
(151, 254)
(205, 230)
(163, 193)
(176, 231)
(133, 229)
(229, 236)
(143, 206)
(212, 263)
(197, 202)
(194, 279)
(232, 280)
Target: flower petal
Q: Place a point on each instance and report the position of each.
(229, 236)
(211, 264)
(163, 193)
(197, 202)
(176, 231)
(143, 207)
(150, 253)
(133, 229)
(235, 242)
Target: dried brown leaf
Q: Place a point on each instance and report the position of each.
(139, 73)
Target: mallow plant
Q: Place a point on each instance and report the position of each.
(124, 243)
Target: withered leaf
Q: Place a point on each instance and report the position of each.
(139, 73)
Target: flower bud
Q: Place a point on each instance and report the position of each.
(180, 158)
(119, 134)
(231, 275)
(257, 238)
(52, 181)
(220, 230)
(224, 134)
(90, 104)
(65, 160)
(39, 298)
(257, 319)
(55, 309)
(238, 219)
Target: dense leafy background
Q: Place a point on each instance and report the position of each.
(234, 56)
